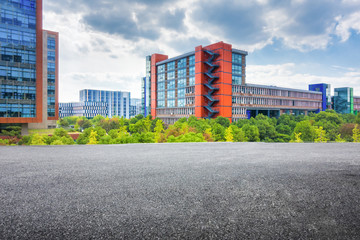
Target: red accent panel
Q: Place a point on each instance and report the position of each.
(155, 58)
(224, 83)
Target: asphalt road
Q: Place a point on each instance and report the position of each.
(181, 191)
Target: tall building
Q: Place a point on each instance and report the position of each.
(135, 107)
(211, 81)
(343, 100)
(28, 66)
(146, 89)
(83, 109)
(118, 103)
(325, 89)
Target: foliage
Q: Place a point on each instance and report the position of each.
(187, 137)
(93, 138)
(297, 138)
(320, 135)
(306, 129)
(356, 134)
(346, 131)
(37, 140)
(251, 133)
(229, 137)
(339, 139)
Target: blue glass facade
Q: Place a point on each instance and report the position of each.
(174, 80)
(18, 58)
(118, 103)
(237, 68)
(326, 95)
(51, 63)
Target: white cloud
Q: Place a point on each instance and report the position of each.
(285, 75)
(345, 24)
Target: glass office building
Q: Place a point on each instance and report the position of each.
(210, 82)
(26, 96)
(118, 103)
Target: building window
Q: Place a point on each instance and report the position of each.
(171, 66)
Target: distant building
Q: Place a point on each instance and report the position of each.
(211, 81)
(135, 107)
(83, 109)
(343, 100)
(325, 89)
(28, 67)
(118, 102)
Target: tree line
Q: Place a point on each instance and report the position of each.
(327, 126)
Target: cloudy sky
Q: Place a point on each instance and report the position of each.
(291, 43)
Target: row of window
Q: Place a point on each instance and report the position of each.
(17, 110)
(275, 92)
(172, 84)
(274, 102)
(181, 63)
(176, 111)
(18, 74)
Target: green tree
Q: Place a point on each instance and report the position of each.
(306, 129)
(297, 138)
(229, 137)
(84, 123)
(37, 140)
(251, 133)
(225, 122)
(57, 142)
(188, 137)
(356, 134)
(339, 139)
(63, 123)
(93, 138)
(159, 131)
(218, 132)
(320, 135)
(238, 134)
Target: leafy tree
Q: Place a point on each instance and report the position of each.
(356, 134)
(93, 138)
(238, 134)
(283, 129)
(84, 123)
(229, 137)
(251, 133)
(339, 139)
(57, 142)
(320, 135)
(144, 137)
(225, 122)
(159, 131)
(63, 123)
(97, 119)
(218, 132)
(357, 119)
(346, 131)
(188, 137)
(307, 131)
(266, 130)
(37, 140)
(297, 138)
(208, 135)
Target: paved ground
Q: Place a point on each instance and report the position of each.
(172, 191)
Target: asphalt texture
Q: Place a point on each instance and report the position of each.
(181, 191)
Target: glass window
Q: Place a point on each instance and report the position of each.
(170, 66)
(192, 60)
(181, 63)
(181, 93)
(171, 85)
(161, 77)
(236, 58)
(192, 71)
(161, 85)
(171, 75)
(171, 103)
(237, 69)
(181, 82)
(171, 94)
(236, 80)
(161, 95)
(161, 68)
(161, 103)
(181, 72)
(191, 81)
(181, 102)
